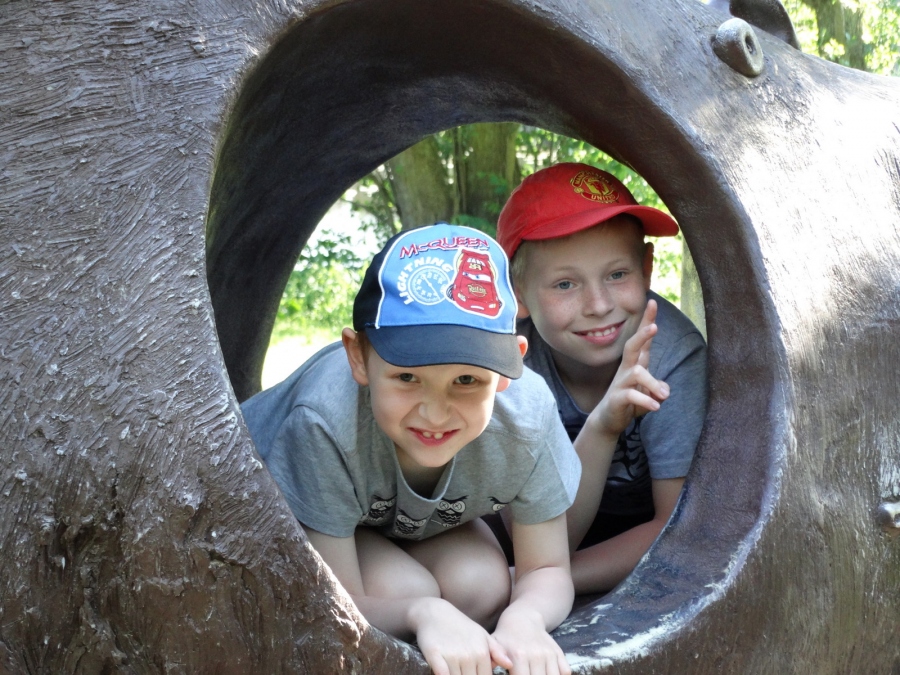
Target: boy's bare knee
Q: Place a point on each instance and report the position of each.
(412, 584)
(479, 587)
(389, 572)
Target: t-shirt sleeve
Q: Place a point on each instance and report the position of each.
(551, 487)
(670, 434)
(311, 471)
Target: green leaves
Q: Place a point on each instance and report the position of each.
(320, 291)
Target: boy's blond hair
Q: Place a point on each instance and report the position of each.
(519, 263)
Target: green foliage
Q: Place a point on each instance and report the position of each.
(878, 30)
(882, 21)
(320, 291)
(372, 201)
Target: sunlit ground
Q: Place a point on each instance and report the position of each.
(285, 356)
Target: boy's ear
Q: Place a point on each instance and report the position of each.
(647, 264)
(522, 312)
(356, 356)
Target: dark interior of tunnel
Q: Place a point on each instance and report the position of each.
(350, 86)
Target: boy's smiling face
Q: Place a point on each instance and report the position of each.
(586, 292)
(429, 412)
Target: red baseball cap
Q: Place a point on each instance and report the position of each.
(567, 198)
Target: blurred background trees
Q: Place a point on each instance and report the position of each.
(464, 176)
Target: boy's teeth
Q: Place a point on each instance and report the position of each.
(601, 333)
(437, 435)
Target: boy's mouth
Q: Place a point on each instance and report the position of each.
(604, 335)
(432, 437)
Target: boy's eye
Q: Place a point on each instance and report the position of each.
(564, 285)
(406, 377)
(466, 379)
(615, 276)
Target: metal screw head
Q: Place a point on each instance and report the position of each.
(888, 517)
(736, 44)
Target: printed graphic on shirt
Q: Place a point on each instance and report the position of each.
(497, 504)
(629, 462)
(379, 511)
(628, 484)
(404, 526)
(450, 511)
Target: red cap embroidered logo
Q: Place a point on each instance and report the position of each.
(595, 187)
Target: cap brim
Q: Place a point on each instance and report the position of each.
(432, 345)
(655, 222)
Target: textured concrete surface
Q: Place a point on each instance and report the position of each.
(140, 533)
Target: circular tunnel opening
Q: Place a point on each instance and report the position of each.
(352, 85)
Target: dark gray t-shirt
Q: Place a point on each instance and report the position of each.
(339, 471)
(660, 444)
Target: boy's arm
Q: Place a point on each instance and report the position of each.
(602, 566)
(632, 392)
(541, 598)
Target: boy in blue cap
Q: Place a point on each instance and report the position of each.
(390, 447)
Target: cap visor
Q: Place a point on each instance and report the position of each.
(432, 345)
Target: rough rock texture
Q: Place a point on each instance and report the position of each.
(140, 532)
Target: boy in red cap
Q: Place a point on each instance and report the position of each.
(627, 368)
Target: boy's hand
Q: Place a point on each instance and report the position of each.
(453, 644)
(531, 649)
(633, 391)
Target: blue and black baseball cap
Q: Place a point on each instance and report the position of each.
(440, 294)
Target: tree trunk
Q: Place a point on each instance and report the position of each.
(484, 162)
(422, 193)
(485, 159)
(843, 23)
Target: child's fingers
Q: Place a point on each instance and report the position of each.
(644, 382)
(649, 314)
(648, 324)
(438, 665)
(499, 655)
(637, 348)
(562, 664)
(642, 401)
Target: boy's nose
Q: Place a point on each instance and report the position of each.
(597, 301)
(434, 410)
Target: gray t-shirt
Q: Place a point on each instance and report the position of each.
(339, 471)
(660, 444)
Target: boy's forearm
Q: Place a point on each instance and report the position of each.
(595, 448)
(544, 594)
(602, 566)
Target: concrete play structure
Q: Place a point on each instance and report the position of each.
(163, 164)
